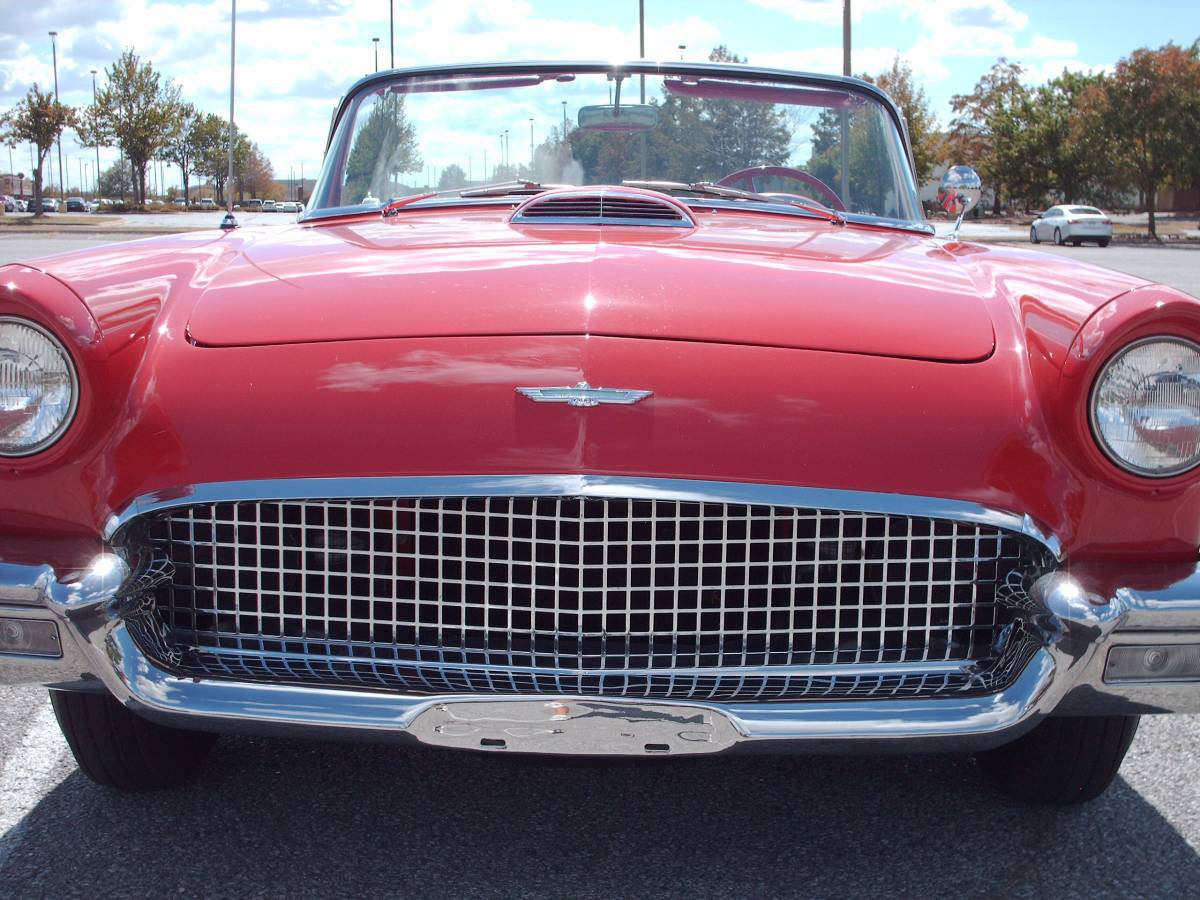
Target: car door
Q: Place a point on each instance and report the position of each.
(1053, 220)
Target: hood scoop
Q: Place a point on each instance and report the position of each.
(603, 206)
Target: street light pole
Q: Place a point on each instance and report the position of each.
(96, 137)
(642, 78)
(229, 222)
(375, 41)
(54, 53)
(392, 29)
(564, 103)
(682, 47)
(531, 146)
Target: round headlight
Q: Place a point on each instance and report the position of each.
(1146, 407)
(38, 390)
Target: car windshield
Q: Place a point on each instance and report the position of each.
(822, 142)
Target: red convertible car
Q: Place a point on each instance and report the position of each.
(680, 432)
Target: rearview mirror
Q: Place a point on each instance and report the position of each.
(626, 118)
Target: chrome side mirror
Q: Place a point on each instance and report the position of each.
(959, 192)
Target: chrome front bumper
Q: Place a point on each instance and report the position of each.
(1065, 676)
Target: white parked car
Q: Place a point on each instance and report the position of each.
(288, 206)
(1071, 224)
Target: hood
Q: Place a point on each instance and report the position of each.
(736, 278)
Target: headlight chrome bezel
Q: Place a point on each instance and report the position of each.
(72, 372)
(1093, 396)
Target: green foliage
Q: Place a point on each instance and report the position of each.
(452, 177)
(37, 119)
(1148, 111)
(1085, 138)
(185, 148)
(696, 139)
(972, 137)
(117, 180)
(254, 175)
(385, 146)
(923, 132)
(139, 112)
(212, 151)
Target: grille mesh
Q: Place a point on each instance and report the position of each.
(601, 207)
(653, 598)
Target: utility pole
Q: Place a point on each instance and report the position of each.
(845, 116)
(531, 146)
(564, 136)
(54, 53)
(392, 29)
(375, 41)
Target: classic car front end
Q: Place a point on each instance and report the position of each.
(645, 468)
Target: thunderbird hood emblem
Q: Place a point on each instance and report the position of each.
(583, 394)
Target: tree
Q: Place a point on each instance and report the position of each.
(38, 119)
(1047, 143)
(138, 111)
(255, 175)
(971, 140)
(116, 180)
(212, 146)
(695, 139)
(452, 177)
(384, 146)
(1149, 110)
(923, 133)
(184, 149)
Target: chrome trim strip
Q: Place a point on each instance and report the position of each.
(930, 669)
(580, 486)
(152, 690)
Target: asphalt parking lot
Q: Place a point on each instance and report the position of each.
(298, 818)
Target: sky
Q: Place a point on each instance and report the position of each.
(296, 57)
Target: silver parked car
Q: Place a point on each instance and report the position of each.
(1071, 224)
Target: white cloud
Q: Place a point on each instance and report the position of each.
(1043, 71)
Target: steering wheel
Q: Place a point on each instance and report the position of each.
(744, 179)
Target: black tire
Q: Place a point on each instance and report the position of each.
(120, 750)
(1103, 242)
(1033, 238)
(1058, 237)
(1063, 760)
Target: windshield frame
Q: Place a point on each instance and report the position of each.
(350, 100)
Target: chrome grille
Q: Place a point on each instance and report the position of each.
(654, 598)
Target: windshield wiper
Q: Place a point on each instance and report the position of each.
(499, 189)
(504, 188)
(720, 190)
